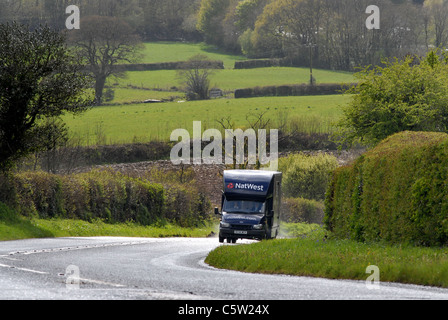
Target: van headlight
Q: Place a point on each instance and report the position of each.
(258, 226)
(225, 225)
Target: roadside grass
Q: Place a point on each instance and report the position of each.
(149, 122)
(24, 228)
(15, 227)
(77, 228)
(316, 256)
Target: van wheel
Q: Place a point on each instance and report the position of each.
(221, 239)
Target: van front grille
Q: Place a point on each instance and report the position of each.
(242, 226)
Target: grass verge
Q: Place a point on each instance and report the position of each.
(40, 228)
(14, 227)
(336, 259)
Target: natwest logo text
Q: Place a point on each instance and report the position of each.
(248, 186)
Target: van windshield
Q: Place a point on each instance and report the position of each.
(243, 206)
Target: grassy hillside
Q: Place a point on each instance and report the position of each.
(130, 121)
(228, 79)
(165, 51)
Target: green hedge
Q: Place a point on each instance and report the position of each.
(262, 63)
(296, 210)
(104, 195)
(210, 64)
(292, 90)
(396, 192)
(306, 176)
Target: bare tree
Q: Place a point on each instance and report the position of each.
(438, 10)
(255, 122)
(196, 77)
(105, 42)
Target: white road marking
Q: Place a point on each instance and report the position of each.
(116, 285)
(22, 269)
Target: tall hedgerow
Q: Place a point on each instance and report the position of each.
(102, 194)
(396, 192)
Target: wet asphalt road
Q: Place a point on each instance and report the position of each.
(161, 269)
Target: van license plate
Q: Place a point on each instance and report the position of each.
(240, 232)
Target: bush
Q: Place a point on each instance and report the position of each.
(196, 78)
(396, 192)
(409, 94)
(307, 176)
(6, 214)
(106, 195)
(296, 210)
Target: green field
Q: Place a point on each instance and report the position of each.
(228, 79)
(231, 79)
(165, 51)
(146, 122)
(127, 120)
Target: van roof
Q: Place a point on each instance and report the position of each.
(249, 183)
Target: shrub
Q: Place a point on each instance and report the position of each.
(396, 192)
(106, 195)
(196, 78)
(6, 214)
(409, 94)
(302, 210)
(307, 176)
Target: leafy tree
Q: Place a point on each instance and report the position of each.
(169, 19)
(404, 95)
(247, 12)
(210, 17)
(39, 78)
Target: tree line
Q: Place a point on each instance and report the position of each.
(151, 19)
(329, 33)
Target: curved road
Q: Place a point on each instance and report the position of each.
(172, 268)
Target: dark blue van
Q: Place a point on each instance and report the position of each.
(250, 205)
